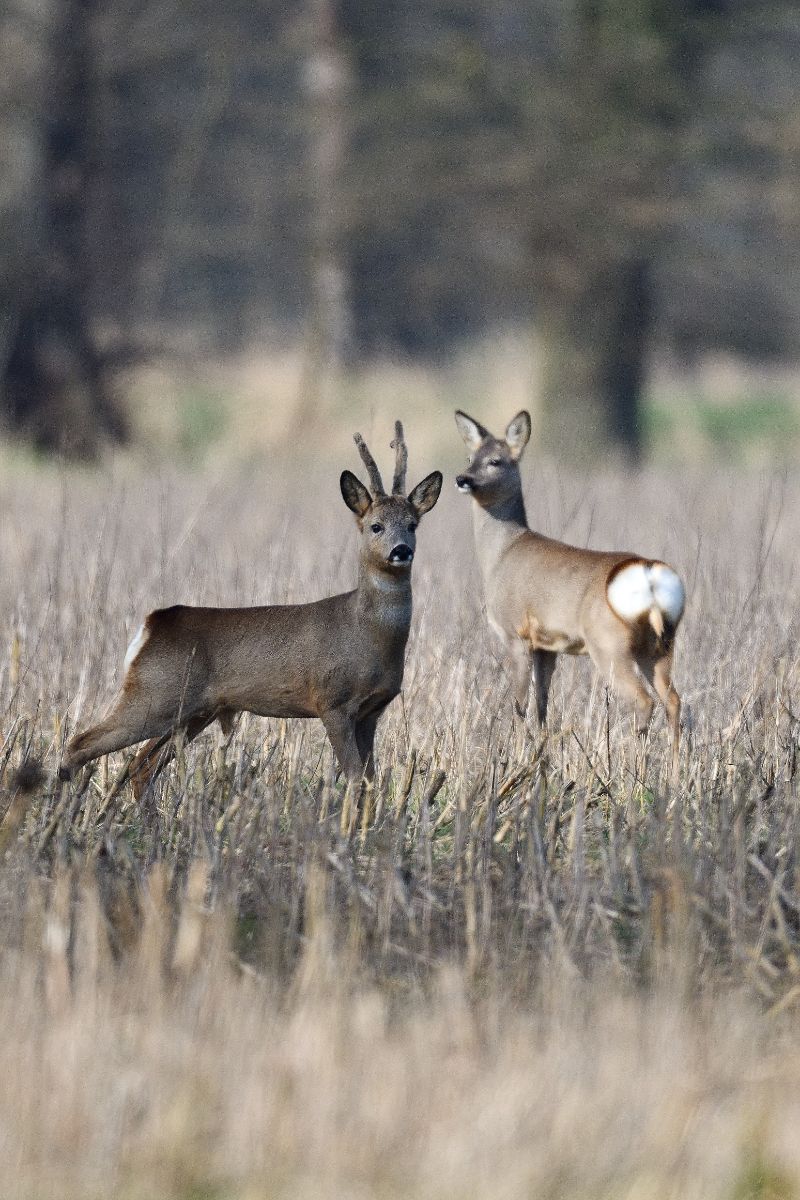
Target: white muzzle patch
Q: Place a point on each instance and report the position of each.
(639, 587)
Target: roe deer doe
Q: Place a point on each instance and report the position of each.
(340, 659)
(545, 598)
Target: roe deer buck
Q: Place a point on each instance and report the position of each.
(340, 659)
(546, 598)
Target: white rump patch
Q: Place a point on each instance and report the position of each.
(629, 593)
(637, 588)
(668, 591)
(139, 639)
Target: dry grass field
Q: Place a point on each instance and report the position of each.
(537, 972)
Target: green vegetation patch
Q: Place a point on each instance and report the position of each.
(749, 425)
(202, 422)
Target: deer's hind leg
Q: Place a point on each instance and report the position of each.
(133, 717)
(158, 752)
(619, 668)
(657, 670)
(128, 722)
(162, 690)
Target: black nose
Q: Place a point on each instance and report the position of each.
(401, 553)
(464, 483)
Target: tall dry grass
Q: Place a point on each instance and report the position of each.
(537, 972)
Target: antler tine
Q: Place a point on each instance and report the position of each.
(401, 460)
(370, 464)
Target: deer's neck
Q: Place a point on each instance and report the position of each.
(496, 527)
(384, 601)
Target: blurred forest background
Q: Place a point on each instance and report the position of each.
(612, 182)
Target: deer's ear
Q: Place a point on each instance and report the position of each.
(426, 493)
(354, 494)
(518, 432)
(472, 433)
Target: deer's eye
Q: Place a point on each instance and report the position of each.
(376, 528)
(412, 527)
(495, 462)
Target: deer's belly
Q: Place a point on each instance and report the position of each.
(376, 702)
(272, 699)
(544, 637)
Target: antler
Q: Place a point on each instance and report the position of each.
(370, 464)
(401, 460)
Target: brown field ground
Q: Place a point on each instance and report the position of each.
(537, 972)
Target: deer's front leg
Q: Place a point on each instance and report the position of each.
(520, 660)
(544, 664)
(365, 740)
(340, 726)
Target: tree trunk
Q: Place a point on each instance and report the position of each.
(55, 388)
(24, 67)
(594, 346)
(328, 85)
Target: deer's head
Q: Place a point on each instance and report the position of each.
(493, 473)
(388, 522)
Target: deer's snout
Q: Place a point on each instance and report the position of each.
(401, 554)
(464, 483)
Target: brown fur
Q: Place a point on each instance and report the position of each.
(544, 597)
(339, 659)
